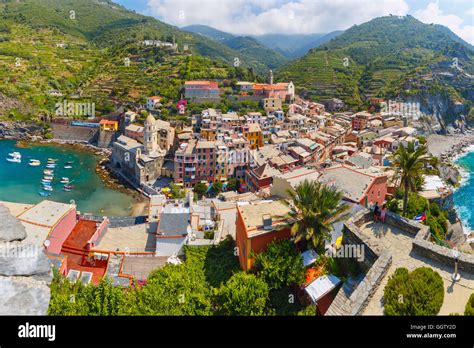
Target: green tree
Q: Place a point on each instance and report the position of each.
(315, 207)
(173, 290)
(77, 299)
(233, 184)
(243, 294)
(420, 292)
(216, 187)
(176, 191)
(409, 163)
(200, 189)
(280, 265)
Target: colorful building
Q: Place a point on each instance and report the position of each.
(258, 225)
(201, 90)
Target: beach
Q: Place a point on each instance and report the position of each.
(439, 145)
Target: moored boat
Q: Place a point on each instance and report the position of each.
(44, 194)
(34, 163)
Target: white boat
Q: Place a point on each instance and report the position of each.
(47, 188)
(34, 163)
(15, 157)
(67, 167)
(46, 181)
(48, 172)
(52, 160)
(14, 160)
(64, 181)
(51, 166)
(48, 177)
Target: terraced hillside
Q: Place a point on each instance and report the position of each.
(387, 57)
(97, 56)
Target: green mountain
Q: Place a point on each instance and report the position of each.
(389, 57)
(247, 46)
(93, 50)
(209, 32)
(295, 45)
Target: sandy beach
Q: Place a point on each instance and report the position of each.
(439, 144)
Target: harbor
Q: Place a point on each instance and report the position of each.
(35, 172)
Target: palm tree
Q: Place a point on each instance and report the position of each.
(409, 165)
(315, 207)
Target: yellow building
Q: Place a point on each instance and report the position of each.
(108, 125)
(253, 133)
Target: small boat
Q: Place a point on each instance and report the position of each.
(52, 160)
(34, 163)
(47, 181)
(14, 160)
(64, 181)
(67, 190)
(15, 157)
(48, 177)
(69, 162)
(69, 187)
(67, 167)
(48, 172)
(51, 166)
(47, 188)
(44, 194)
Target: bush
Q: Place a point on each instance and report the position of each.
(420, 292)
(243, 294)
(280, 265)
(469, 310)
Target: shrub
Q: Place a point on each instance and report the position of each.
(280, 265)
(243, 294)
(469, 310)
(420, 292)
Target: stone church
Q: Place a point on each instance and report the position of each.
(140, 163)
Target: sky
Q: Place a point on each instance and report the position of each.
(258, 17)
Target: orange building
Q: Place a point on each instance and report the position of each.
(108, 125)
(253, 133)
(258, 225)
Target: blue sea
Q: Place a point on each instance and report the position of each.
(464, 195)
(21, 183)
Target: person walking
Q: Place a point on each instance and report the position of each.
(383, 212)
(376, 211)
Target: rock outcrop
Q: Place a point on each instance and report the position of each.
(25, 270)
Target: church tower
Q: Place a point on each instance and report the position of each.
(270, 77)
(150, 135)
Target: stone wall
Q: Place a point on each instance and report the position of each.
(351, 235)
(443, 255)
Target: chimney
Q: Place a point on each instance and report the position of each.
(267, 222)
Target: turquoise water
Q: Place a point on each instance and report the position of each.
(464, 195)
(21, 183)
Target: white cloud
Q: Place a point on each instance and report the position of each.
(274, 16)
(433, 14)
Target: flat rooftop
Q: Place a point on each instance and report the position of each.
(46, 213)
(253, 214)
(131, 239)
(141, 266)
